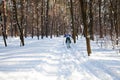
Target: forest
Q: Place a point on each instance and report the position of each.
(34, 46)
(93, 19)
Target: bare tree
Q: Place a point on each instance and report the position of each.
(16, 22)
(91, 20)
(47, 17)
(83, 4)
(72, 22)
(4, 22)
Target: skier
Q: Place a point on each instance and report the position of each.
(68, 40)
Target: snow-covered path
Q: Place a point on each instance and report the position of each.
(49, 59)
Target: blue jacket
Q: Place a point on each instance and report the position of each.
(67, 35)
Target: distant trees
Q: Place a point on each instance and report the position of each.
(95, 19)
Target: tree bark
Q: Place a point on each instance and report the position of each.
(72, 23)
(47, 10)
(42, 18)
(16, 21)
(91, 21)
(83, 4)
(4, 23)
(101, 28)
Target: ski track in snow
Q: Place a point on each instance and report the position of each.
(51, 59)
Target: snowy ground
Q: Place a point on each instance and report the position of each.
(49, 59)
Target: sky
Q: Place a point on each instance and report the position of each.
(50, 59)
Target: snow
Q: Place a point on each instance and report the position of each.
(49, 59)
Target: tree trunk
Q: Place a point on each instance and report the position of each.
(37, 20)
(116, 20)
(4, 23)
(91, 21)
(101, 28)
(83, 4)
(42, 18)
(72, 23)
(26, 18)
(47, 10)
(16, 21)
